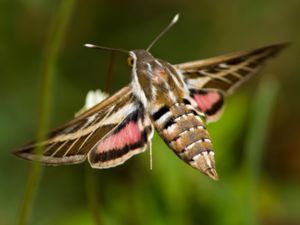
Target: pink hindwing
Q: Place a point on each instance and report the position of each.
(129, 138)
(209, 102)
(129, 135)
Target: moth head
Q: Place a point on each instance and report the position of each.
(148, 69)
(140, 59)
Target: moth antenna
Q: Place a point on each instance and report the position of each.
(106, 48)
(174, 20)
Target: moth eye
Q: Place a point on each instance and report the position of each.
(130, 61)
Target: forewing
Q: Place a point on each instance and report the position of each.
(72, 143)
(210, 79)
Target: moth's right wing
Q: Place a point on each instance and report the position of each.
(108, 134)
(209, 80)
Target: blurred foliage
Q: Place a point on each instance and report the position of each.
(256, 141)
(56, 35)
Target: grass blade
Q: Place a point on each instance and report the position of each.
(258, 129)
(57, 31)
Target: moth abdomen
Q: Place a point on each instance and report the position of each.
(184, 131)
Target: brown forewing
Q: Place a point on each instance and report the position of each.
(226, 72)
(71, 143)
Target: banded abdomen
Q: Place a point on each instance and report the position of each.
(184, 131)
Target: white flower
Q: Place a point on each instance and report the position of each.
(92, 99)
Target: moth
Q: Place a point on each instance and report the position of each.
(177, 100)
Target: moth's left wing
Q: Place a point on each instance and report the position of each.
(209, 80)
(109, 134)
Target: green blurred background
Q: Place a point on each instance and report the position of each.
(256, 141)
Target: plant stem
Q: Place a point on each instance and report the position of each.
(92, 194)
(262, 108)
(53, 44)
